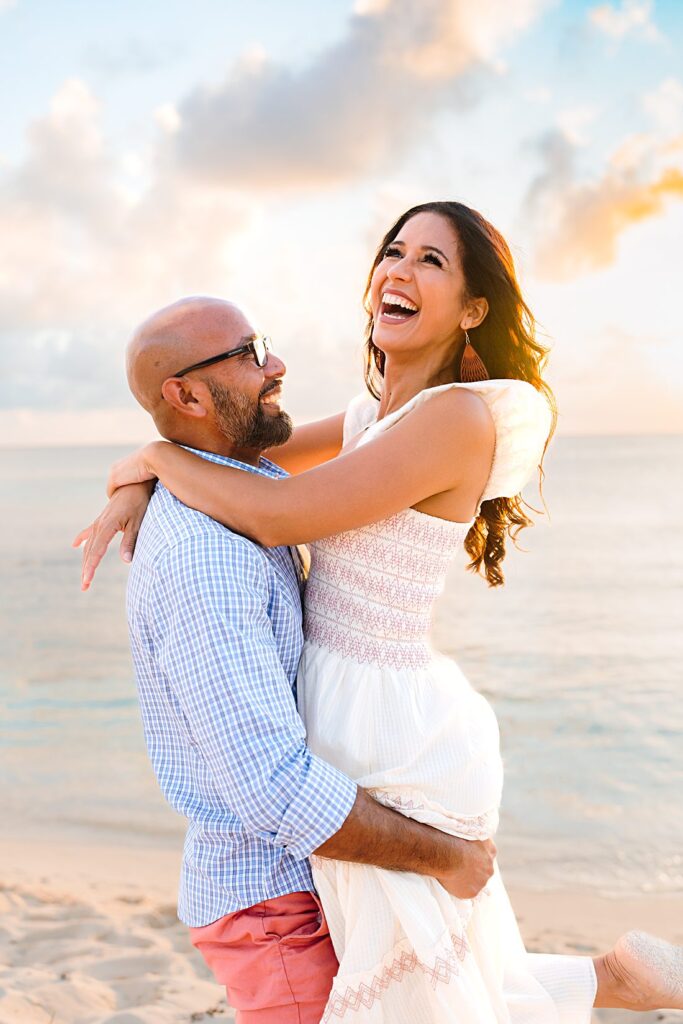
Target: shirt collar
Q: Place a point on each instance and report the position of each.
(264, 468)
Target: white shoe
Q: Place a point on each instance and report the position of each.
(654, 968)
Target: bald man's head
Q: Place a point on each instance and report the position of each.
(231, 406)
(176, 336)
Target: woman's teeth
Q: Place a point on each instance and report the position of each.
(397, 307)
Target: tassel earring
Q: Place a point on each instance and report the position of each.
(471, 367)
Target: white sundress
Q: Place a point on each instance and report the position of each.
(404, 722)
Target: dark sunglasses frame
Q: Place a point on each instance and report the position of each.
(240, 350)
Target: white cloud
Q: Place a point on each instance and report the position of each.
(83, 256)
(365, 7)
(629, 17)
(6, 5)
(540, 95)
(665, 105)
(359, 107)
(453, 35)
(574, 122)
(168, 118)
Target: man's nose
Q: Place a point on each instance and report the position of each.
(274, 366)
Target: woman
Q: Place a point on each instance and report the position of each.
(435, 461)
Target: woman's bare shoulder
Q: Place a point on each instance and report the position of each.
(454, 413)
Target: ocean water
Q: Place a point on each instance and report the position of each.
(581, 654)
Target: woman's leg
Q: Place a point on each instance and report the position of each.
(640, 973)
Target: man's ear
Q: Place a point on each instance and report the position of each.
(476, 313)
(185, 397)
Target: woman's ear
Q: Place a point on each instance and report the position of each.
(184, 396)
(475, 314)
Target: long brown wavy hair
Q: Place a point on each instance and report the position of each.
(505, 340)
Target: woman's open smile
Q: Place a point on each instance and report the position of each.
(396, 307)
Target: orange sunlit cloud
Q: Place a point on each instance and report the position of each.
(580, 223)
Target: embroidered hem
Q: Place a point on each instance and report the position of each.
(402, 960)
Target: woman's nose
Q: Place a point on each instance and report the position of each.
(400, 270)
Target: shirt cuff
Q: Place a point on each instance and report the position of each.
(318, 810)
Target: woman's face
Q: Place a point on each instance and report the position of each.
(417, 293)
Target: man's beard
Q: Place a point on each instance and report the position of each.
(245, 423)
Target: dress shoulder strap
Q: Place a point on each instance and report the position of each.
(360, 412)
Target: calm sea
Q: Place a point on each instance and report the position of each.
(581, 654)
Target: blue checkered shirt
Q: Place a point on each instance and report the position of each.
(215, 627)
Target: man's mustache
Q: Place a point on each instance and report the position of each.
(273, 386)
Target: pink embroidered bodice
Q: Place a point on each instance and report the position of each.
(371, 591)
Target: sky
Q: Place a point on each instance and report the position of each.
(259, 152)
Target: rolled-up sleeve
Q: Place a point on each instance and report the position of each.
(231, 694)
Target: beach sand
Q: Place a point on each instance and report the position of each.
(89, 935)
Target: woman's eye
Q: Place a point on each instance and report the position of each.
(431, 257)
(391, 251)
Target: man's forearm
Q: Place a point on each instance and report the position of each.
(375, 834)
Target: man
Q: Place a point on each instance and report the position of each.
(215, 626)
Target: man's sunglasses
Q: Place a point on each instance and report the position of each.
(259, 348)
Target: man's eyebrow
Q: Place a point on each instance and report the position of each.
(425, 248)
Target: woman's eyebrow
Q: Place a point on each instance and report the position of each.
(424, 248)
(433, 248)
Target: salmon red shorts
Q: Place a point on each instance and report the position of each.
(275, 959)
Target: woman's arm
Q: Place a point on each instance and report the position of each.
(444, 444)
(310, 445)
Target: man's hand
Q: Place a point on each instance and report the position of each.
(375, 834)
(474, 863)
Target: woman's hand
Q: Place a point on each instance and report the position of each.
(133, 469)
(123, 513)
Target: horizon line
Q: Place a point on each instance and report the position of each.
(131, 444)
